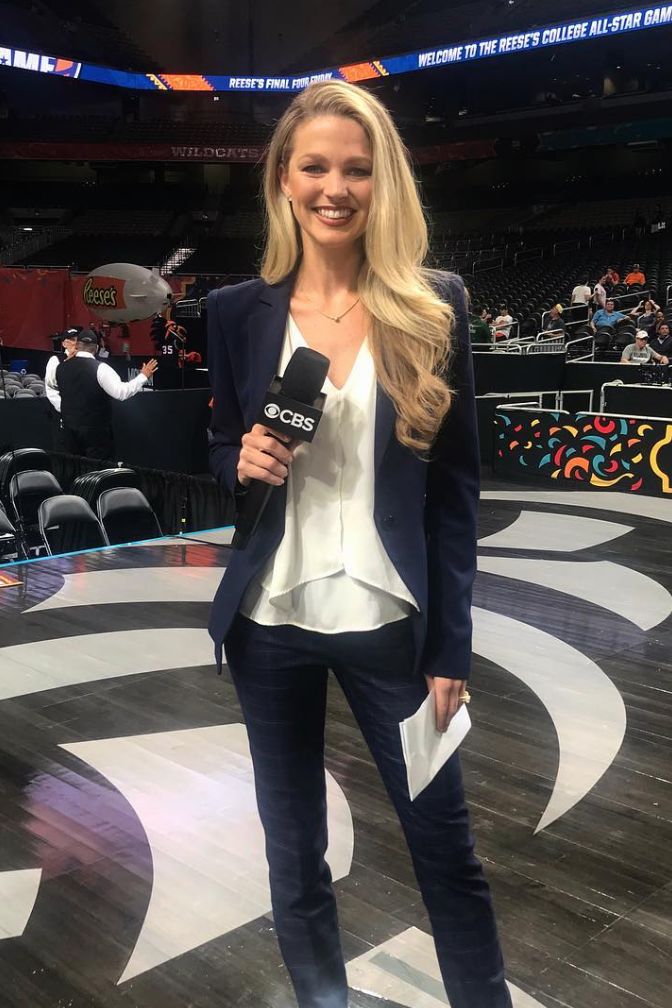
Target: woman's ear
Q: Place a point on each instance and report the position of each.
(282, 179)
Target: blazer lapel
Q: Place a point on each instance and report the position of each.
(266, 330)
(385, 419)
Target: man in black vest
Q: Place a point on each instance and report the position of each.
(86, 386)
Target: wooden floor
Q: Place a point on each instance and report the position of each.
(131, 859)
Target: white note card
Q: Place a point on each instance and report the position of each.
(426, 749)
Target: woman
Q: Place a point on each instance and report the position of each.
(645, 314)
(365, 557)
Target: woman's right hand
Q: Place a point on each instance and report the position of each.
(264, 457)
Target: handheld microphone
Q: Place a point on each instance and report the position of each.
(293, 405)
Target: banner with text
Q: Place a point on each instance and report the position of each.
(609, 24)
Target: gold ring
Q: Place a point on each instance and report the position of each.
(465, 697)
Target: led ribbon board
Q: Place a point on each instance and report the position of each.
(445, 55)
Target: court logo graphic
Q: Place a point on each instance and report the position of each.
(583, 704)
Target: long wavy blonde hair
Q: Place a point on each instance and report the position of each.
(410, 332)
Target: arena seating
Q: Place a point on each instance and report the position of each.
(530, 288)
(86, 252)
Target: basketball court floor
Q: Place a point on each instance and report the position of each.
(132, 872)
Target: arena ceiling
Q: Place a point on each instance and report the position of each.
(227, 36)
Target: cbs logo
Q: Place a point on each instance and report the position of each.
(289, 418)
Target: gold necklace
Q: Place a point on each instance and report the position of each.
(333, 318)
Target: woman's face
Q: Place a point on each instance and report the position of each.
(328, 178)
(648, 307)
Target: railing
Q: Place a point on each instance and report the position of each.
(570, 392)
(487, 264)
(533, 400)
(630, 300)
(526, 255)
(589, 356)
(505, 346)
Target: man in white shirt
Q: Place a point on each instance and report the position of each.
(582, 294)
(69, 344)
(503, 323)
(85, 387)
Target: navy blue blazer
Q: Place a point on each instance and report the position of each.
(425, 512)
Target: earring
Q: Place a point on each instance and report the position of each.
(289, 199)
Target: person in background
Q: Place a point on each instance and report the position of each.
(479, 327)
(607, 316)
(645, 314)
(635, 276)
(503, 323)
(582, 294)
(599, 295)
(555, 321)
(611, 278)
(86, 387)
(640, 352)
(103, 352)
(662, 341)
(69, 344)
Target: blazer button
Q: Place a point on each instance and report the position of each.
(388, 520)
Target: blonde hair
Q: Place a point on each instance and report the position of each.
(410, 333)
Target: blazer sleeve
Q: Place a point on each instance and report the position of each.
(451, 512)
(227, 424)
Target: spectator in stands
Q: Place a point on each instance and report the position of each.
(660, 319)
(606, 316)
(640, 352)
(635, 276)
(555, 322)
(69, 344)
(662, 341)
(86, 387)
(599, 295)
(611, 279)
(645, 314)
(503, 323)
(479, 327)
(582, 294)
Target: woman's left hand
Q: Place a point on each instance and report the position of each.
(447, 693)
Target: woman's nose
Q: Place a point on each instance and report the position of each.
(335, 186)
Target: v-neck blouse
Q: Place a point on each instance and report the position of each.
(331, 572)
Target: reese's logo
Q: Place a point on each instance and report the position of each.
(101, 295)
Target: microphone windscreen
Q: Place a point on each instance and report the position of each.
(304, 375)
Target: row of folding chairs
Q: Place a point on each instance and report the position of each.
(22, 392)
(105, 508)
(13, 385)
(67, 523)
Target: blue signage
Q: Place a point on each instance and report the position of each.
(444, 55)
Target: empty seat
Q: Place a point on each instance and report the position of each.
(20, 460)
(92, 484)
(67, 524)
(127, 516)
(27, 490)
(9, 543)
